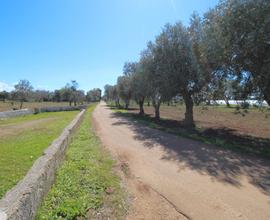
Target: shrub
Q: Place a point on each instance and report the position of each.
(245, 105)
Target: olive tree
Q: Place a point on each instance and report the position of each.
(71, 94)
(41, 95)
(56, 95)
(107, 89)
(139, 86)
(93, 95)
(156, 88)
(236, 40)
(80, 96)
(176, 60)
(111, 94)
(22, 91)
(124, 89)
(4, 95)
(66, 94)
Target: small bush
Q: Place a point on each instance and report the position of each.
(245, 105)
(36, 111)
(204, 107)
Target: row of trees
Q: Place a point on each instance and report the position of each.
(23, 92)
(223, 55)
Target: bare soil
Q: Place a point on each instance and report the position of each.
(244, 122)
(177, 178)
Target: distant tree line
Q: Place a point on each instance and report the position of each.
(224, 54)
(24, 92)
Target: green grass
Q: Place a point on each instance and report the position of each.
(81, 182)
(20, 149)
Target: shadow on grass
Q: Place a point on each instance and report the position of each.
(221, 164)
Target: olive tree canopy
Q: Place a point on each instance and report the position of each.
(22, 91)
(237, 41)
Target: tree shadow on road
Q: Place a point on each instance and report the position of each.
(221, 164)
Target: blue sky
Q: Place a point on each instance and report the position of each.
(50, 42)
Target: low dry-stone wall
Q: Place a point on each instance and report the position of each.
(61, 108)
(21, 202)
(21, 112)
(15, 113)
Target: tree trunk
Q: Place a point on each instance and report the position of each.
(157, 106)
(141, 107)
(70, 103)
(117, 103)
(189, 110)
(267, 99)
(227, 102)
(127, 104)
(21, 104)
(157, 113)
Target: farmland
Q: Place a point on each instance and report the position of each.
(22, 141)
(135, 110)
(252, 122)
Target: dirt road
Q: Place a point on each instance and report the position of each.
(177, 178)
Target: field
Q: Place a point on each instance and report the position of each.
(85, 184)
(251, 122)
(246, 129)
(22, 141)
(8, 105)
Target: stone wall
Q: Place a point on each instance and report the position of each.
(61, 108)
(15, 113)
(23, 200)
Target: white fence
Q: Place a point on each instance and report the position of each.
(238, 102)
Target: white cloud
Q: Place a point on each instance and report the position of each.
(6, 87)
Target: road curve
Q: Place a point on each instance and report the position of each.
(178, 178)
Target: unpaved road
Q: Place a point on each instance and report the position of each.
(177, 178)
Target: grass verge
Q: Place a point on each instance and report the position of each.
(23, 140)
(85, 187)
